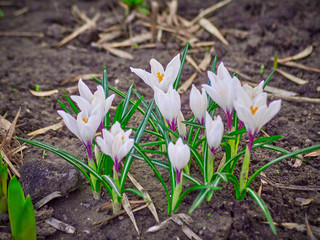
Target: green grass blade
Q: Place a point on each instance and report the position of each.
(64, 108)
(263, 207)
(71, 103)
(125, 119)
(81, 166)
(111, 183)
(137, 192)
(291, 154)
(268, 79)
(214, 65)
(137, 139)
(193, 188)
(183, 59)
(28, 221)
(126, 101)
(281, 150)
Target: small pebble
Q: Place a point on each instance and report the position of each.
(121, 218)
(308, 142)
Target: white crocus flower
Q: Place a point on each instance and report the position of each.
(84, 127)
(179, 155)
(94, 104)
(223, 91)
(182, 129)
(115, 143)
(159, 77)
(198, 103)
(214, 132)
(253, 92)
(169, 105)
(255, 113)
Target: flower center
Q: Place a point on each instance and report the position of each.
(85, 120)
(160, 76)
(253, 109)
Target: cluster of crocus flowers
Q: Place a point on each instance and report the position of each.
(94, 103)
(222, 90)
(93, 109)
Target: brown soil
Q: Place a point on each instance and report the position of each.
(275, 27)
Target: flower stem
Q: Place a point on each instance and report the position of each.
(116, 200)
(176, 194)
(244, 173)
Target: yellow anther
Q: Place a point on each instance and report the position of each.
(85, 120)
(160, 76)
(253, 109)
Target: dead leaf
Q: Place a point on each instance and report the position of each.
(21, 34)
(209, 10)
(314, 154)
(306, 52)
(296, 98)
(190, 234)
(47, 199)
(87, 76)
(300, 66)
(60, 225)
(10, 165)
(193, 63)
(106, 37)
(308, 229)
(44, 93)
(127, 208)
(303, 201)
(129, 42)
(184, 87)
(208, 26)
(292, 77)
(53, 127)
(151, 206)
(206, 60)
(114, 51)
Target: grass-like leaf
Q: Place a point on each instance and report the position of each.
(137, 139)
(71, 103)
(183, 59)
(268, 79)
(263, 207)
(291, 154)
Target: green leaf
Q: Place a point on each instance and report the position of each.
(291, 154)
(244, 170)
(214, 65)
(125, 119)
(21, 212)
(183, 59)
(137, 138)
(263, 207)
(193, 188)
(81, 166)
(112, 183)
(64, 108)
(126, 101)
(71, 103)
(137, 192)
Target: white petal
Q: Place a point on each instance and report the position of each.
(148, 78)
(156, 67)
(82, 103)
(273, 109)
(175, 65)
(124, 149)
(70, 122)
(84, 91)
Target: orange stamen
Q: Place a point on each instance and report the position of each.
(160, 76)
(85, 120)
(253, 109)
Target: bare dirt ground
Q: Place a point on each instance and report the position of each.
(282, 28)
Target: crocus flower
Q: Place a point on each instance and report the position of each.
(84, 127)
(255, 113)
(182, 129)
(214, 132)
(159, 77)
(198, 103)
(179, 155)
(223, 91)
(169, 105)
(115, 143)
(253, 92)
(94, 104)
